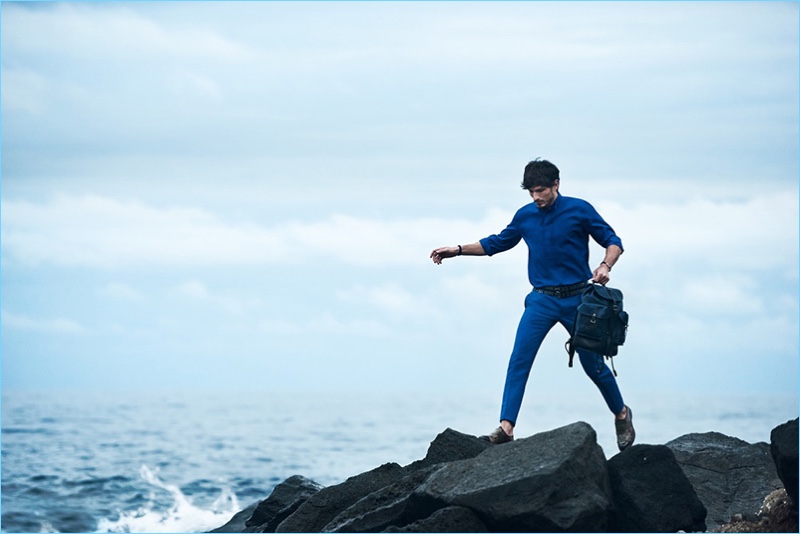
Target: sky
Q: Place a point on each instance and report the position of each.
(244, 196)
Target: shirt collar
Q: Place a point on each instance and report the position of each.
(553, 206)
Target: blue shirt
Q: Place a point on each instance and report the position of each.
(557, 239)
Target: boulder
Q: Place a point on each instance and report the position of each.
(388, 506)
(553, 481)
(285, 498)
(729, 475)
(237, 522)
(783, 446)
(651, 494)
(450, 519)
(321, 508)
(450, 446)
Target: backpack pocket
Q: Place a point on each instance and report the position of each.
(591, 327)
(619, 328)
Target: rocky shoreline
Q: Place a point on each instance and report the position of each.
(555, 481)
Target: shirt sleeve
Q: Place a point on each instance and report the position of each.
(600, 230)
(505, 240)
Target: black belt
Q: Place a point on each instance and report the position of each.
(562, 291)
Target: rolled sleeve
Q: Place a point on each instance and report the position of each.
(615, 241)
(505, 240)
(601, 231)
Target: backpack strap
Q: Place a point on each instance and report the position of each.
(570, 350)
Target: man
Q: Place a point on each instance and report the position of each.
(557, 230)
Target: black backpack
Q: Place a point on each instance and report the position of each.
(600, 323)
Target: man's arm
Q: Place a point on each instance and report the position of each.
(474, 249)
(601, 274)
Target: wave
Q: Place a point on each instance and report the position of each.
(182, 515)
(18, 430)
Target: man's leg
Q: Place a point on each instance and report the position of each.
(596, 369)
(540, 315)
(594, 366)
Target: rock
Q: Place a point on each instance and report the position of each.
(326, 504)
(553, 481)
(237, 522)
(651, 493)
(450, 519)
(389, 506)
(777, 514)
(285, 498)
(729, 475)
(783, 446)
(450, 446)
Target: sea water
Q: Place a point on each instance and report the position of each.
(187, 461)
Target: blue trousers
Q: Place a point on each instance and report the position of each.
(541, 314)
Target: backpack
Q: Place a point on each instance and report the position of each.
(600, 323)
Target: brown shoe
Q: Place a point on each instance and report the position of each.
(498, 436)
(625, 432)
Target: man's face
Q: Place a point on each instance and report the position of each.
(544, 196)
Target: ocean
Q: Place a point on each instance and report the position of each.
(187, 461)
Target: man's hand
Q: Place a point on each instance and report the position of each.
(473, 249)
(600, 275)
(443, 252)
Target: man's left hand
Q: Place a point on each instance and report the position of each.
(600, 275)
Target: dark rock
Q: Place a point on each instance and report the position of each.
(729, 475)
(450, 519)
(237, 522)
(389, 506)
(651, 493)
(783, 446)
(450, 446)
(285, 498)
(273, 523)
(553, 481)
(326, 504)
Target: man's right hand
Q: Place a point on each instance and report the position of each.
(443, 252)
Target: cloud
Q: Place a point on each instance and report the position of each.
(395, 301)
(161, 85)
(736, 296)
(697, 235)
(104, 233)
(699, 238)
(389, 297)
(288, 160)
(326, 324)
(59, 325)
(197, 291)
(122, 292)
(100, 232)
(476, 296)
(193, 85)
(23, 90)
(96, 31)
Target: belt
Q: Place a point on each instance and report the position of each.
(562, 291)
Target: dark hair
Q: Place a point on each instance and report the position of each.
(539, 173)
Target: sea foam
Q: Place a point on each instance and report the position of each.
(182, 516)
